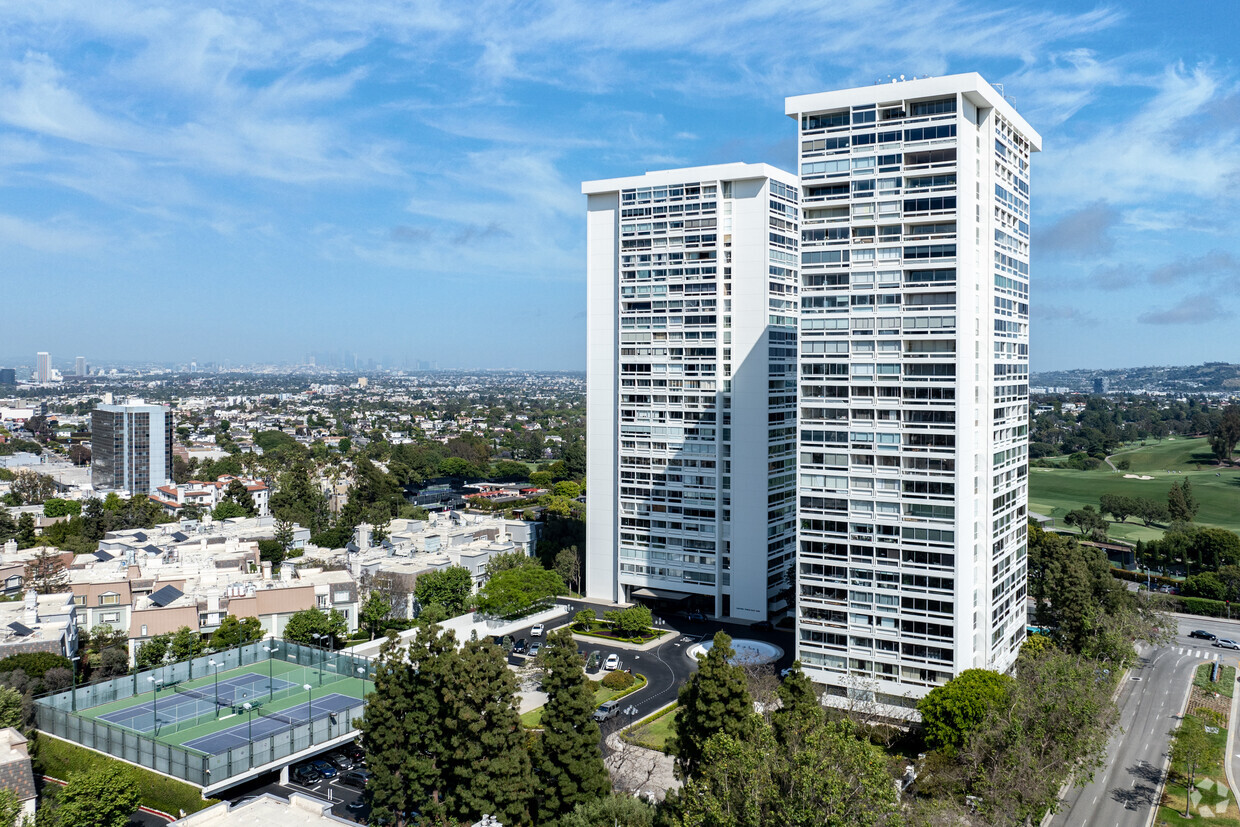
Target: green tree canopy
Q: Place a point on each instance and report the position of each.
(228, 510)
(235, 631)
(153, 652)
(950, 712)
(715, 699)
(1191, 749)
(634, 621)
(185, 644)
(449, 588)
(520, 591)
(374, 611)
(105, 796)
(567, 759)
(303, 625)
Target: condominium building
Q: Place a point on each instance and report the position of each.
(79, 366)
(42, 367)
(691, 388)
(131, 447)
(913, 385)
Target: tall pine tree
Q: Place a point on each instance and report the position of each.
(567, 758)
(714, 699)
(486, 768)
(799, 707)
(403, 728)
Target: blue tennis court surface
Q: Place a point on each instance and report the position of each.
(188, 704)
(254, 727)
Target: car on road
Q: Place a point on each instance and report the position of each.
(537, 630)
(1203, 634)
(1224, 643)
(607, 711)
(592, 662)
(355, 778)
(612, 663)
(519, 647)
(306, 774)
(534, 648)
(324, 769)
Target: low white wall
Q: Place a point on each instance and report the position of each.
(464, 625)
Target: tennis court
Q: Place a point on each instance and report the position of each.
(204, 710)
(269, 723)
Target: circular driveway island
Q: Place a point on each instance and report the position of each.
(748, 652)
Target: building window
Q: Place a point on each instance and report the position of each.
(112, 617)
(109, 599)
(143, 634)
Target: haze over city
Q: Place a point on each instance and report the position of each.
(254, 184)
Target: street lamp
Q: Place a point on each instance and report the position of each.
(216, 667)
(361, 670)
(271, 670)
(155, 684)
(74, 660)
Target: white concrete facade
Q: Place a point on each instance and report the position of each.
(691, 316)
(914, 385)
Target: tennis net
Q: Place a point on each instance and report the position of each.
(198, 693)
(291, 720)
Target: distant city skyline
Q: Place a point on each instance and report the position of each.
(253, 185)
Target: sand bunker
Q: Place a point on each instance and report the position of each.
(1137, 477)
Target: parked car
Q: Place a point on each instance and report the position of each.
(612, 662)
(537, 631)
(355, 778)
(356, 805)
(608, 710)
(306, 774)
(534, 647)
(1203, 634)
(355, 752)
(596, 657)
(696, 615)
(324, 769)
(1224, 643)
(339, 760)
(518, 648)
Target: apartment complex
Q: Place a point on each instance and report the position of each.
(901, 254)
(43, 367)
(914, 384)
(691, 387)
(131, 447)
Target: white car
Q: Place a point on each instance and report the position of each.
(537, 631)
(612, 663)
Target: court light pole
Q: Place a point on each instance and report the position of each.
(74, 660)
(271, 670)
(216, 667)
(318, 637)
(361, 670)
(309, 709)
(249, 729)
(155, 684)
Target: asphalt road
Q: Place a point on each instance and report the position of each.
(1150, 701)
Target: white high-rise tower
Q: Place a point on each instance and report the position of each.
(691, 388)
(914, 385)
(43, 367)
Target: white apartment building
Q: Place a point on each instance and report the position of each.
(913, 385)
(692, 281)
(43, 367)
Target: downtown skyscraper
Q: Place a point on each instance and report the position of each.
(914, 385)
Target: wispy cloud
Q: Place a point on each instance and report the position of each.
(1197, 309)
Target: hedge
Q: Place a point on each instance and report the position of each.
(1138, 577)
(618, 680)
(35, 664)
(60, 759)
(1202, 606)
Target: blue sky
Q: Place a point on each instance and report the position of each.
(254, 181)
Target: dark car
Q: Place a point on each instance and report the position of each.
(355, 778)
(1203, 634)
(306, 774)
(355, 752)
(518, 648)
(324, 769)
(339, 760)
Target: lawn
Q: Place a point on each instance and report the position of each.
(533, 718)
(655, 734)
(1226, 681)
(1209, 782)
(1054, 492)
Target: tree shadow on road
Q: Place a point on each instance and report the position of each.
(1144, 792)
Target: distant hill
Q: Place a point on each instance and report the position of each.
(1212, 377)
